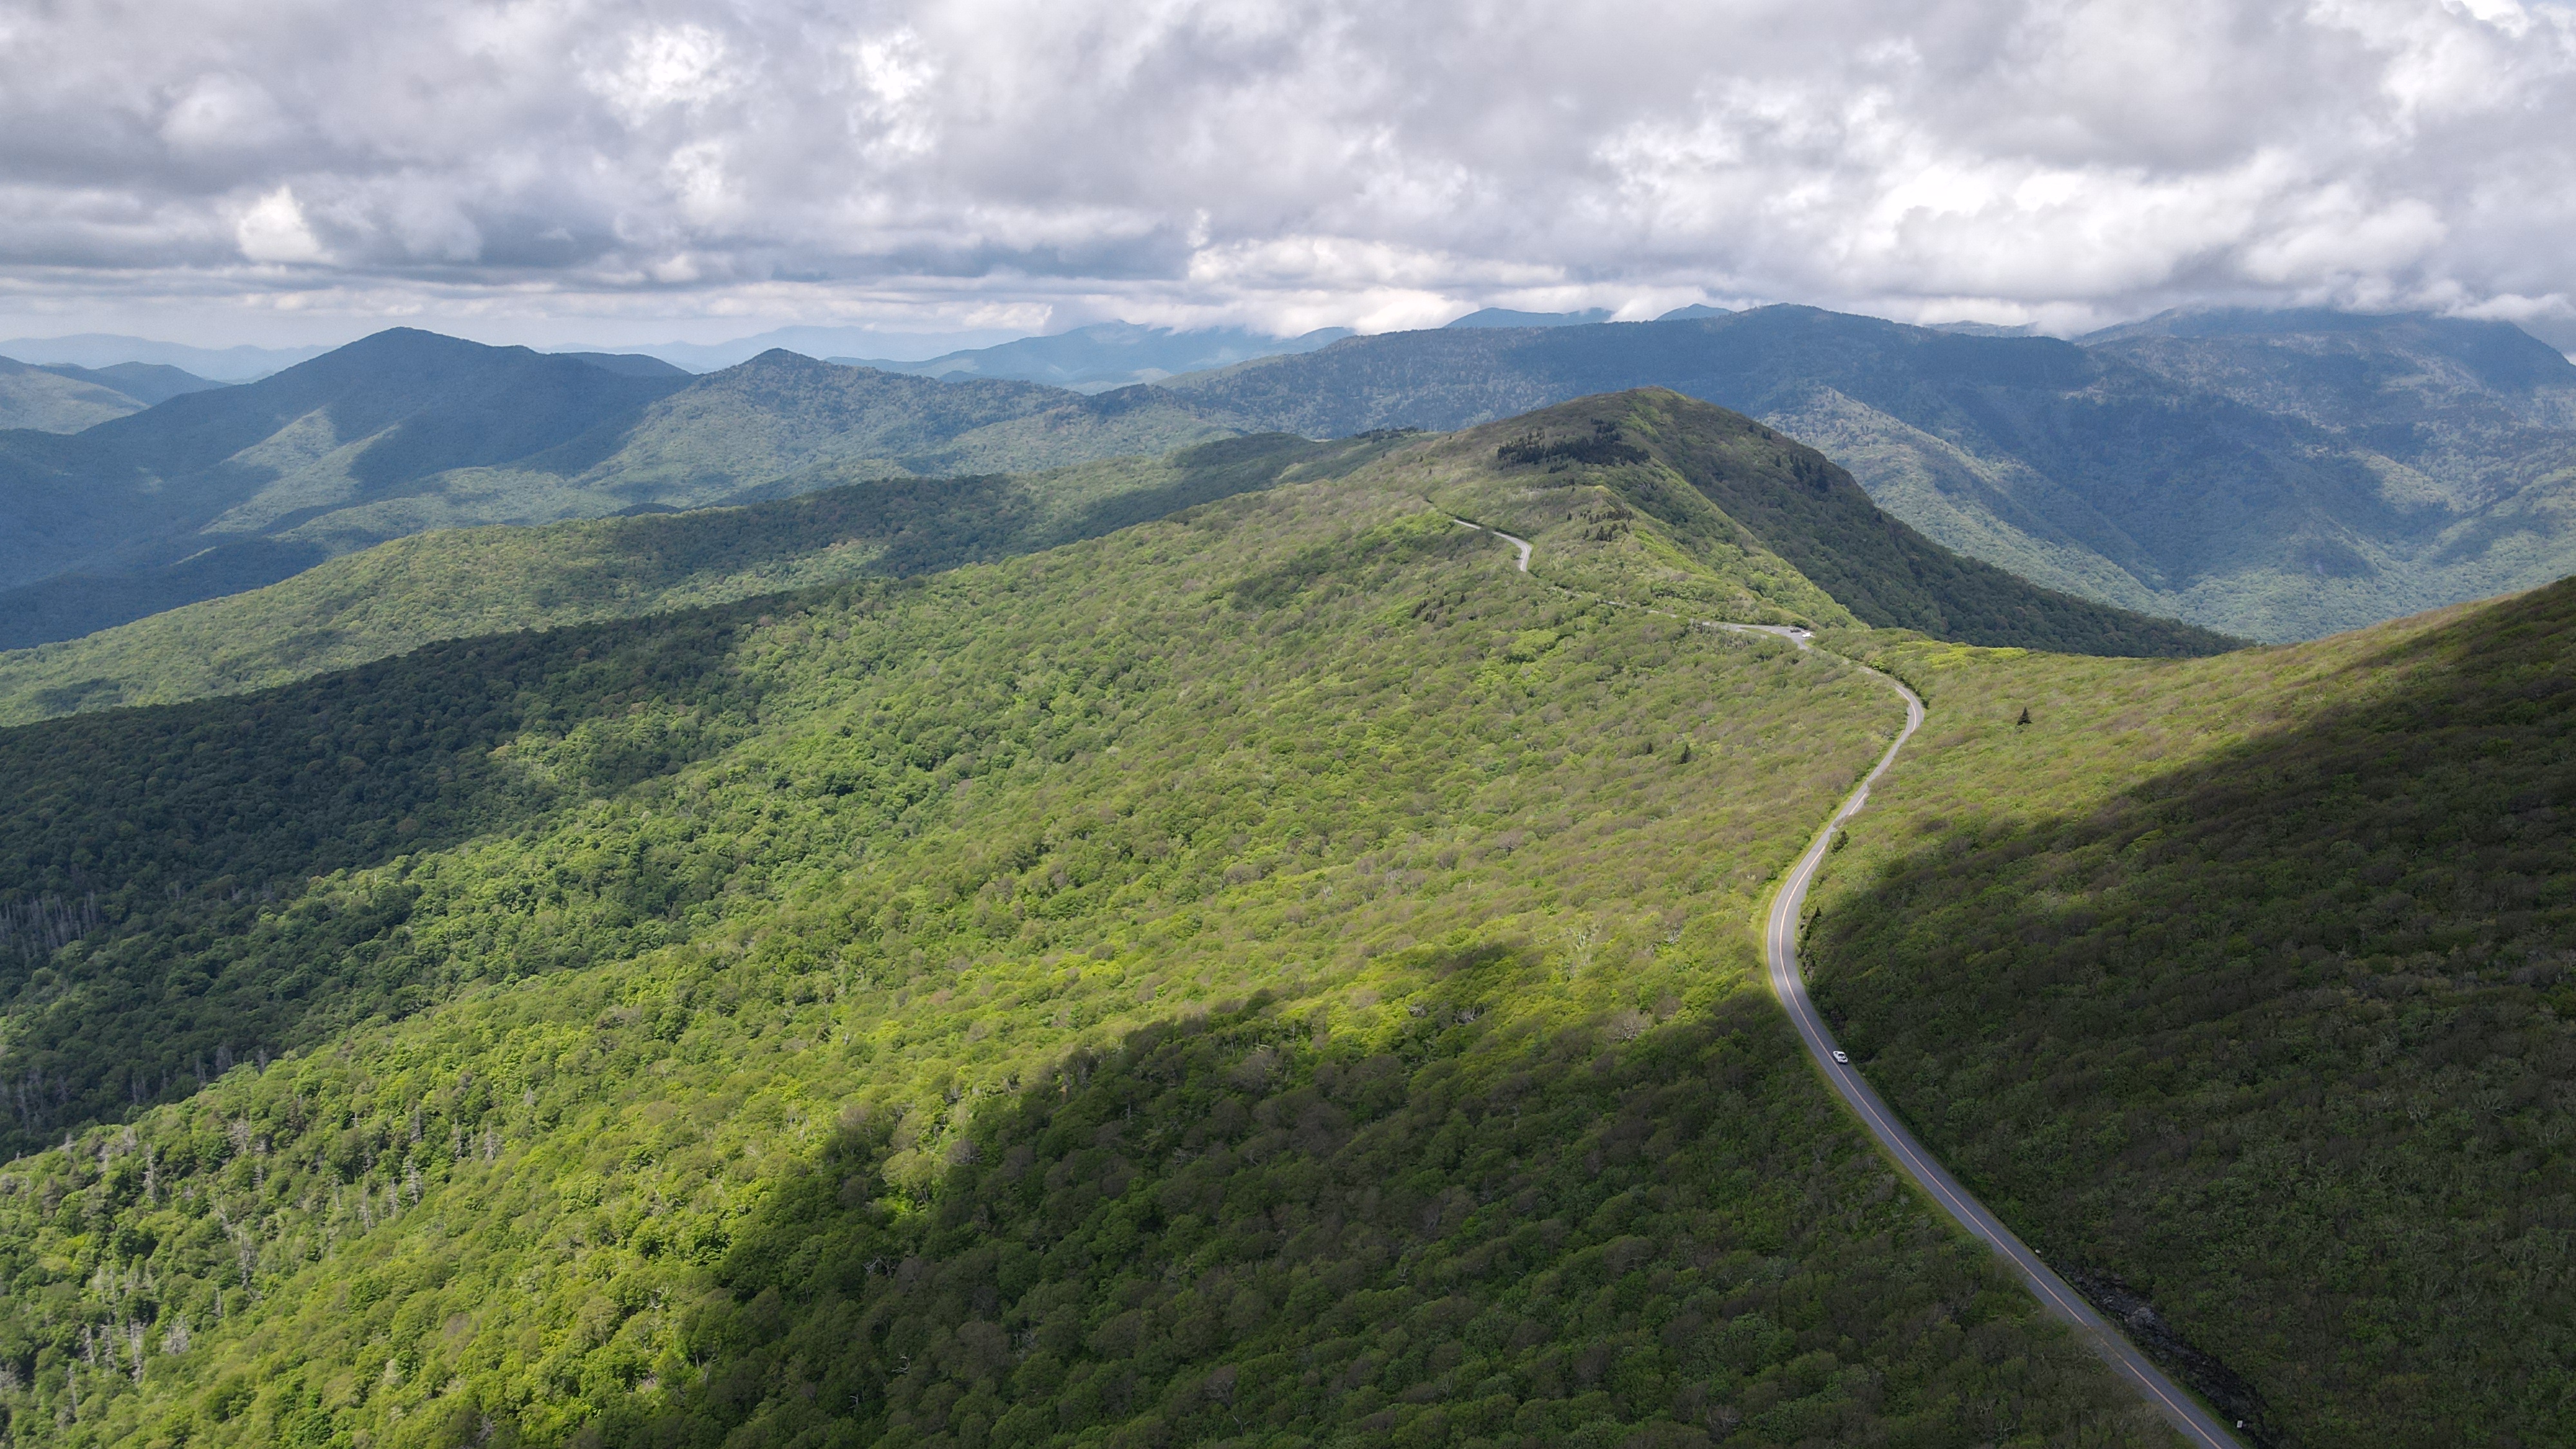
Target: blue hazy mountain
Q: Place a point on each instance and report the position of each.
(1506, 317)
(105, 350)
(214, 492)
(1108, 354)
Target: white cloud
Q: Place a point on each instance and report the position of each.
(273, 229)
(667, 66)
(1290, 162)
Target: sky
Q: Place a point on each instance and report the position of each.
(287, 171)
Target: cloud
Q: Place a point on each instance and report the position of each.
(273, 229)
(1283, 162)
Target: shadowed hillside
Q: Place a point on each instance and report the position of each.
(2242, 987)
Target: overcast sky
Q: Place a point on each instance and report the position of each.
(218, 171)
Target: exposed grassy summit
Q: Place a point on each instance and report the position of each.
(2280, 477)
(1786, 534)
(406, 593)
(1276, 972)
(2244, 985)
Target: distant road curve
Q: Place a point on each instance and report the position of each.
(1522, 544)
(1780, 947)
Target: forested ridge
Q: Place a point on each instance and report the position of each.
(405, 432)
(1281, 974)
(1747, 524)
(1733, 494)
(940, 992)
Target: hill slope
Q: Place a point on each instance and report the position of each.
(61, 398)
(2241, 986)
(445, 585)
(43, 399)
(1274, 971)
(2098, 470)
(1793, 537)
(210, 494)
(782, 414)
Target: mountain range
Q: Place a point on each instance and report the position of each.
(1108, 354)
(219, 491)
(101, 350)
(1775, 533)
(2272, 475)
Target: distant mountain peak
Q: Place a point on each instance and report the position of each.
(1107, 354)
(1506, 317)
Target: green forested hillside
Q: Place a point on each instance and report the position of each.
(2242, 986)
(1277, 974)
(446, 585)
(215, 491)
(45, 400)
(781, 415)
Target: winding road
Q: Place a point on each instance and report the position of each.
(1780, 948)
(2196, 1424)
(1522, 544)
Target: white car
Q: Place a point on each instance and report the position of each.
(1843, 1057)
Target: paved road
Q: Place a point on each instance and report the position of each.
(2196, 1424)
(1520, 543)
